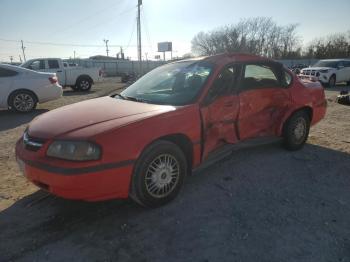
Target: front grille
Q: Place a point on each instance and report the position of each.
(32, 143)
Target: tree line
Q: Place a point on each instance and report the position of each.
(263, 36)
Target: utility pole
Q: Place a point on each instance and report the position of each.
(20, 58)
(106, 42)
(139, 42)
(23, 48)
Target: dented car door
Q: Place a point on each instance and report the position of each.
(220, 110)
(263, 98)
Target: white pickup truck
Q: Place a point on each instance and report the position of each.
(77, 78)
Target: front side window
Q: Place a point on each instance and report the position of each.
(4, 72)
(224, 83)
(37, 65)
(259, 76)
(53, 64)
(173, 84)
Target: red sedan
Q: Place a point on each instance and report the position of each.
(144, 142)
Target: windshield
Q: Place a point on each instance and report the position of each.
(326, 64)
(173, 84)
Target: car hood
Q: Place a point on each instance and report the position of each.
(317, 68)
(89, 113)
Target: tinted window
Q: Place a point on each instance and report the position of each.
(7, 72)
(53, 64)
(37, 65)
(259, 76)
(347, 63)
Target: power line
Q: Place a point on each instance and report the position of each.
(132, 34)
(146, 28)
(85, 18)
(61, 44)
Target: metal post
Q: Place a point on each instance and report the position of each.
(139, 41)
(23, 48)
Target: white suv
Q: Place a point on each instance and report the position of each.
(330, 71)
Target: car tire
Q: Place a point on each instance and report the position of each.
(296, 131)
(84, 84)
(332, 81)
(22, 101)
(158, 174)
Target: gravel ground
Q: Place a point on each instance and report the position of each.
(260, 204)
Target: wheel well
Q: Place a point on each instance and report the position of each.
(308, 110)
(84, 77)
(185, 145)
(20, 90)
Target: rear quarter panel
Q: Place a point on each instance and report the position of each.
(307, 94)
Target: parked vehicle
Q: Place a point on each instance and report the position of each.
(297, 68)
(66, 64)
(77, 78)
(21, 89)
(330, 72)
(179, 117)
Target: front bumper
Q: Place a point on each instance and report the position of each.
(323, 78)
(90, 183)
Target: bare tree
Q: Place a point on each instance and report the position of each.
(332, 46)
(258, 35)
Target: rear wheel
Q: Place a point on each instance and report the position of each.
(296, 130)
(22, 101)
(332, 81)
(84, 84)
(159, 174)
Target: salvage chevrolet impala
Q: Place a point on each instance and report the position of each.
(143, 142)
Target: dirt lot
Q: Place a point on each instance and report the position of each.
(260, 204)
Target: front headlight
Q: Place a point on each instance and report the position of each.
(74, 150)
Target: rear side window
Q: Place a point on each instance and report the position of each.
(53, 64)
(259, 76)
(7, 72)
(287, 78)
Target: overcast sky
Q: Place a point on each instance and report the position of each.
(67, 25)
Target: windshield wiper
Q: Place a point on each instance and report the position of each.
(120, 96)
(135, 99)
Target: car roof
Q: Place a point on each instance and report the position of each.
(225, 58)
(16, 68)
(335, 60)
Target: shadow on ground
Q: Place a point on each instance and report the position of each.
(260, 204)
(77, 93)
(10, 119)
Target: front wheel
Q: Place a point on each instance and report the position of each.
(159, 174)
(22, 101)
(296, 130)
